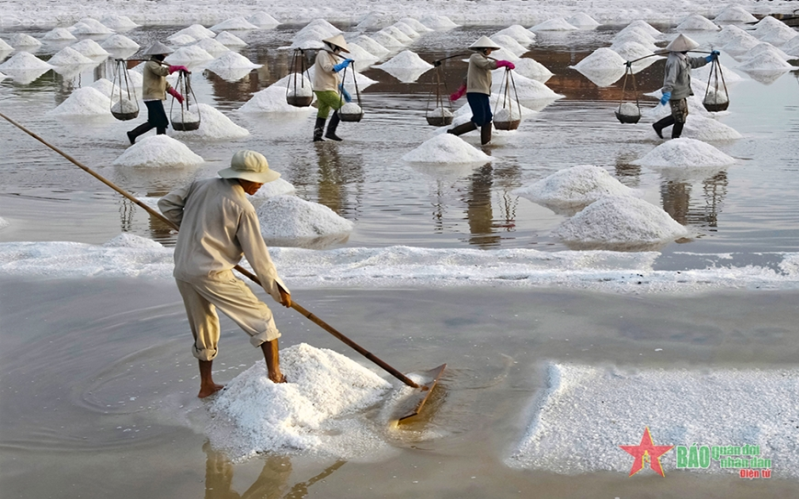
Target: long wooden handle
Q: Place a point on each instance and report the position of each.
(296, 306)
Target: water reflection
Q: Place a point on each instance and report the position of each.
(676, 197)
(336, 176)
(483, 227)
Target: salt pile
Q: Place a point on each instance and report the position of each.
(508, 114)
(316, 411)
(124, 106)
(518, 33)
(643, 25)
(196, 31)
(620, 220)
(708, 129)
(191, 53)
(415, 24)
(603, 66)
(769, 61)
(351, 108)
(234, 24)
(2, 77)
(89, 26)
(5, 47)
(128, 240)
(703, 74)
(310, 38)
(86, 101)
(574, 187)
(773, 31)
(735, 14)
(631, 51)
(231, 60)
(184, 115)
(118, 23)
(299, 90)
(213, 46)
(438, 23)
(735, 40)
(275, 188)
(363, 59)
(509, 43)
(528, 89)
(263, 19)
(386, 40)
(272, 99)
(397, 34)
(20, 40)
(230, 40)
(181, 40)
(440, 112)
(371, 46)
(695, 22)
(3, 223)
(292, 79)
(25, 61)
(214, 125)
(684, 152)
(582, 20)
(59, 35)
(446, 148)
(529, 68)
(289, 217)
(760, 50)
(405, 60)
(68, 57)
(407, 29)
(556, 24)
(119, 42)
(90, 48)
(629, 109)
(156, 151)
(638, 37)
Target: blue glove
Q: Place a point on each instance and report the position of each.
(713, 56)
(666, 97)
(344, 93)
(343, 64)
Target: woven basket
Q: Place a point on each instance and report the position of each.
(626, 118)
(439, 120)
(715, 108)
(185, 126)
(507, 125)
(350, 116)
(299, 101)
(126, 116)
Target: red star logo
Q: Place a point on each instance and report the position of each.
(646, 451)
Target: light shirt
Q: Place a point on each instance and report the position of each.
(324, 78)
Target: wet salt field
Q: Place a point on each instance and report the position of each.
(97, 388)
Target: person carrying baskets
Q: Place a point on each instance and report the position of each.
(677, 83)
(154, 90)
(327, 85)
(477, 88)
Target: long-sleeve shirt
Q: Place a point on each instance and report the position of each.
(324, 77)
(218, 226)
(677, 79)
(478, 79)
(154, 84)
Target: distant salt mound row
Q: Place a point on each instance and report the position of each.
(59, 35)
(263, 20)
(582, 20)
(528, 89)
(231, 60)
(196, 31)
(768, 62)
(643, 25)
(446, 148)
(735, 14)
(181, 40)
(5, 47)
(684, 152)
(371, 46)
(118, 23)
(230, 40)
(386, 40)
(90, 48)
(518, 33)
(438, 23)
(405, 60)
(86, 101)
(22, 40)
(415, 24)
(119, 42)
(68, 56)
(234, 24)
(362, 57)
(272, 99)
(24, 61)
(289, 217)
(128, 240)
(213, 46)
(555, 24)
(89, 26)
(158, 151)
(773, 31)
(313, 33)
(3, 223)
(618, 221)
(574, 187)
(213, 125)
(407, 29)
(277, 187)
(397, 34)
(509, 43)
(191, 53)
(316, 411)
(695, 22)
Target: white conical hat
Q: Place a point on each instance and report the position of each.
(158, 48)
(681, 44)
(484, 43)
(338, 41)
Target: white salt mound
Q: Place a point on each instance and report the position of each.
(192, 53)
(119, 42)
(24, 61)
(275, 188)
(289, 217)
(629, 109)
(735, 14)
(213, 46)
(3, 223)
(556, 24)
(196, 31)
(5, 47)
(119, 23)
(440, 112)
(761, 49)
(630, 51)
(641, 24)
(90, 48)
(105, 87)
(230, 40)
(183, 115)
(506, 114)
(406, 60)
(231, 60)
(371, 46)
(637, 35)
(573, 187)
(528, 89)
(518, 33)
(68, 56)
(234, 24)
(438, 23)
(20, 40)
(386, 40)
(182, 39)
(90, 28)
(213, 125)
(86, 101)
(620, 220)
(684, 152)
(769, 61)
(509, 43)
(415, 24)
(397, 34)
(125, 106)
(707, 129)
(532, 69)
(128, 240)
(695, 22)
(792, 47)
(362, 57)
(58, 35)
(774, 31)
(407, 29)
(601, 59)
(310, 38)
(299, 90)
(156, 151)
(263, 19)
(582, 20)
(272, 99)
(313, 412)
(446, 148)
(350, 108)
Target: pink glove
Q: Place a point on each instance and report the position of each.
(458, 93)
(172, 69)
(174, 93)
(506, 64)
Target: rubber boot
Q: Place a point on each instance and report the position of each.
(677, 130)
(461, 129)
(485, 134)
(139, 130)
(318, 129)
(161, 130)
(660, 125)
(331, 128)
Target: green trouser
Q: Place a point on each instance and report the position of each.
(327, 100)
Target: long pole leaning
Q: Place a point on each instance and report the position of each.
(296, 306)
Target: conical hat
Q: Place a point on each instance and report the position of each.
(484, 43)
(681, 44)
(158, 48)
(338, 41)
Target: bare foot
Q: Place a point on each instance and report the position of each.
(207, 391)
(278, 378)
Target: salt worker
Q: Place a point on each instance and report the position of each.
(677, 83)
(477, 88)
(326, 85)
(218, 226)
(154, 90)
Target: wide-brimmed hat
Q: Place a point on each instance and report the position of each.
(681, 44)
(158, 48)
(338, 41)
(249, 165)
(484, 43)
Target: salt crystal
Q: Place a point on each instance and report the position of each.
(263, 19)
(214, 125)
(555, 24)
(684, 152)
(735, 14)
(68, 56)
(230, 40)
(128, 240)
(289, 217)
(20, 40)
(695, 22)
(405, 60)
(446, 148)
(59, 35)
(158, 151)
(574, 187)
(119, 42)
(234, 24)
(90, 48)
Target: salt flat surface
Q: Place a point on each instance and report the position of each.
(446, 148)
(320, 409)
(574, 187)
(684, 152)
(586, 412)
(158, 151)
(214, 125)
(86, 101)
(289, 217)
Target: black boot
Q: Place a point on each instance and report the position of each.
(485, 134)
(461, 129)
(318, 129)
(331, 128)
(677, 130)
(139, 130)
(161, 130)
(660, 125)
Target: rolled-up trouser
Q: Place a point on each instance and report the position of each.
(203, 295)
(481, 108)
(156, 116)
(679, 110)
(327, 100)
